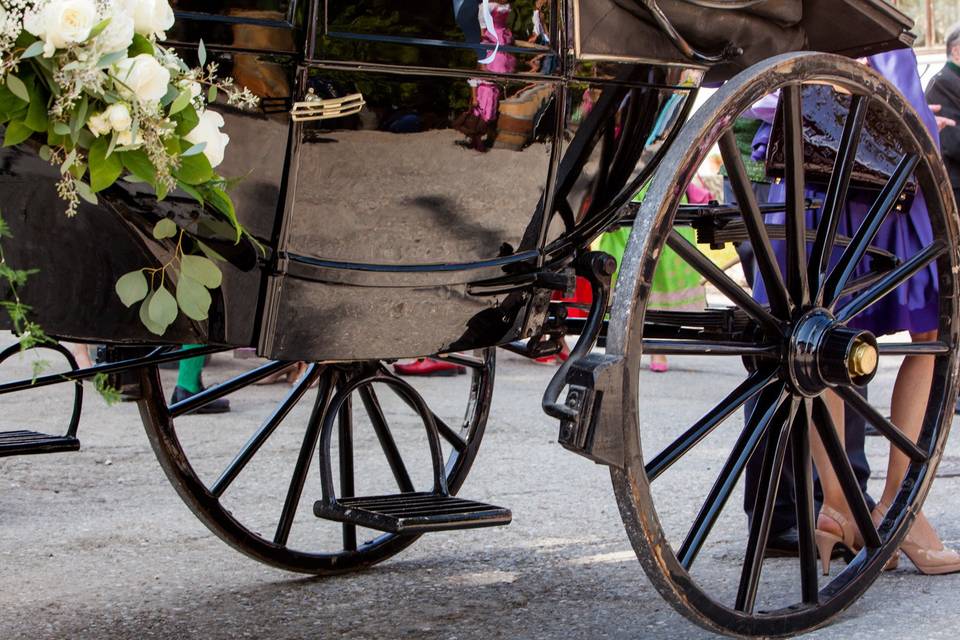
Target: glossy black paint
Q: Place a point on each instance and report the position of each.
(436, 206)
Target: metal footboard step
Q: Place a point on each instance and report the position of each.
(22, 443)
(413, 513)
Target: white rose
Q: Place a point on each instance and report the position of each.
(99, 125)
(118, 115)
(151, 17)
(125, 139)
(61, 23)
(209, 131)
(143, 77)
(118, 36)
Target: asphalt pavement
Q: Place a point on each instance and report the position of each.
(97, 544)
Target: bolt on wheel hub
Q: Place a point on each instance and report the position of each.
(823, 353)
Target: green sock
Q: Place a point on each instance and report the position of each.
(190, 370)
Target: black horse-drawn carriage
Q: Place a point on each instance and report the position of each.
(402, 216)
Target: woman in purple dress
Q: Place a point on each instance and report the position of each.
(913, 307)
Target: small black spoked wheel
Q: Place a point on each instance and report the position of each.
(258, 493)
(804, 345)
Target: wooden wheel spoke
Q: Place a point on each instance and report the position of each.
(837, 193)
(756, 228)
(448, 434)
(914, 348)
(706, 268)
(307, 450)
(884, 426)
(345, 450)
(471, 362)
(253, 445)
(389, 446)
(848, 480)
(803, 493)
(770, 401)
(771, 470)
(796, 214)
(890, 281)
(207, 396)
(707, 348)
(714, 418)
(837, 280)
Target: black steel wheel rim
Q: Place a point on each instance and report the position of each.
(787, 387)
(271, 548)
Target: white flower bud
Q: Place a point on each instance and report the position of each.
(98, 125)
(209, 131)
(143, 78)
(119, 117)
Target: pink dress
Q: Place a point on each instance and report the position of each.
(488, 93)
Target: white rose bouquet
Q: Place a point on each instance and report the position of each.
(88, 83)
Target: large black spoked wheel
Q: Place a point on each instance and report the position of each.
(253, 479)
(781, 356)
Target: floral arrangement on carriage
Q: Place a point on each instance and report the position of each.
(88, 85)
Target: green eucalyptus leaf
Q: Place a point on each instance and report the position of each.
(132, 288)
(140, 45)
(16, 133)
(153, 327)
(105, 167)
(33, 50)
(187, 120)
(194, 150)
(61, 128)
(98, 29)
(212, 94)
(85, 192)
(166, 228)
(163, 307)
(111, 59)
(45, 153)
(209, 252)
(138, 163)
(202, 53)
(18, 88)
(193, 298)
(220, 200)
(180, 103)
(203, 270)
(37, 118)
(195, 170)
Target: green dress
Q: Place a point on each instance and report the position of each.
(676, 285)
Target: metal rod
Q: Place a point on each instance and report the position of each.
(756, 229)
(827, 429)
(796, 214)
(749, 388)
(347, 485)
(706, 268)
(307, 449)
(767, 407)
(889, 196)
(372, 405)
(257, 440)
(914, 348)
(884, 426)
(207, 396)
(837, 193)
(803, 491)
(770, 472)
(885, 285)
(158, 356)
(707, 348)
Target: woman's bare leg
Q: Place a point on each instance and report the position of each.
(908, 406)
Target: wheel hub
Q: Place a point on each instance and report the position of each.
(823, 353)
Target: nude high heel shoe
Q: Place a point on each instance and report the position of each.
(849, 536)
(930, 562)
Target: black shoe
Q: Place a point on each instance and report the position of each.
(220, 405)
(785, 544)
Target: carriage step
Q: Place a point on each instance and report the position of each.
(24, 443)
(413, 513)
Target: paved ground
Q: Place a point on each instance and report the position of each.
(97, 544)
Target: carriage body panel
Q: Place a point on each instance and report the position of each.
(408, 221)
